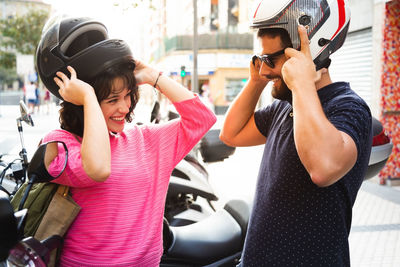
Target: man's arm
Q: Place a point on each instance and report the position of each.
(239, 128)
(327, 153)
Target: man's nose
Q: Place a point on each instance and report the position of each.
(265, 70)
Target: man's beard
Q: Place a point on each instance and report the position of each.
(281, 91)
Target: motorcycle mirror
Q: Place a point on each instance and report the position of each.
(25, 116)
(52, 154)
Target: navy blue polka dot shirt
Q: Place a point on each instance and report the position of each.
(293, 221)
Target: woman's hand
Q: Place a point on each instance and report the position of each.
(173, 90)
(72, 89)
(145, 74)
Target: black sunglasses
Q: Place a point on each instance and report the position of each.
(268, 58)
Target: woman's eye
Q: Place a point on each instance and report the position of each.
(112, 101)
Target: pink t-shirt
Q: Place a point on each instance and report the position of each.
(120, 223)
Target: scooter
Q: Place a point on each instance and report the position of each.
(15, 251)
(13, 173)
(190, 196)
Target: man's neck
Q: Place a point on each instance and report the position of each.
(325, 79)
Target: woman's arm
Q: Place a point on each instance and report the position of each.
(174, 91)
(196, 119)
(95, 150)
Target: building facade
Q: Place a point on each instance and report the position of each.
(368, 59)
(225, 46)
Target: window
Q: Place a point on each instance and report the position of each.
(233, 87)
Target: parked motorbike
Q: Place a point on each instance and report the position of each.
(190, 196)
(13, 173)
(15, 251)
(215, 241)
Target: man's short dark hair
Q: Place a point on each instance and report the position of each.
(274, 32)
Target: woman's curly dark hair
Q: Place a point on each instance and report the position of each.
(71, 116)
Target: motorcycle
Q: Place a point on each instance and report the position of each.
(190, 196)
(14, 249)
(13, 173)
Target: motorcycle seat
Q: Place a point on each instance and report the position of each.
(217, 236)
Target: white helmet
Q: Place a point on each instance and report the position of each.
(327, 23)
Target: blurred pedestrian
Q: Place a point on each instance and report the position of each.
(46, 100)
(37, 95)
(30, 93)
(204, 94)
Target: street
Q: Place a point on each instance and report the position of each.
(375, 233)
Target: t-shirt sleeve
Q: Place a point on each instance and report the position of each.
(352, 116)
(263, 118)
(74, 175)
(171, 141)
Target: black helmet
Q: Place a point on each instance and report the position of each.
(327, 23)
(81, 43)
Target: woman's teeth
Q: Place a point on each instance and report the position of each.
(117, 118)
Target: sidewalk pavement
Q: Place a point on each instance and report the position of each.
(375, 233)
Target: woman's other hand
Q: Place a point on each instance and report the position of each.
(145, 74)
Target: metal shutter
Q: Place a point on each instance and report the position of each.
(353, 63)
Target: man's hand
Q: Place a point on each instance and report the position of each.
(255, 73)
(299, 70)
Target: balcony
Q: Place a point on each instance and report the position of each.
(220, 41)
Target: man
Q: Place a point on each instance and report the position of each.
(317, 137)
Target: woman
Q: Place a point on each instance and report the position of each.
(120, 177)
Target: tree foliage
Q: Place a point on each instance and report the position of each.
(7, 76)
(23, 33)
(7, 60)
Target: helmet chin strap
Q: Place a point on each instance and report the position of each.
(324, 64)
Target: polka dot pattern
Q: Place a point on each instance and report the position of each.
(294, 222)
